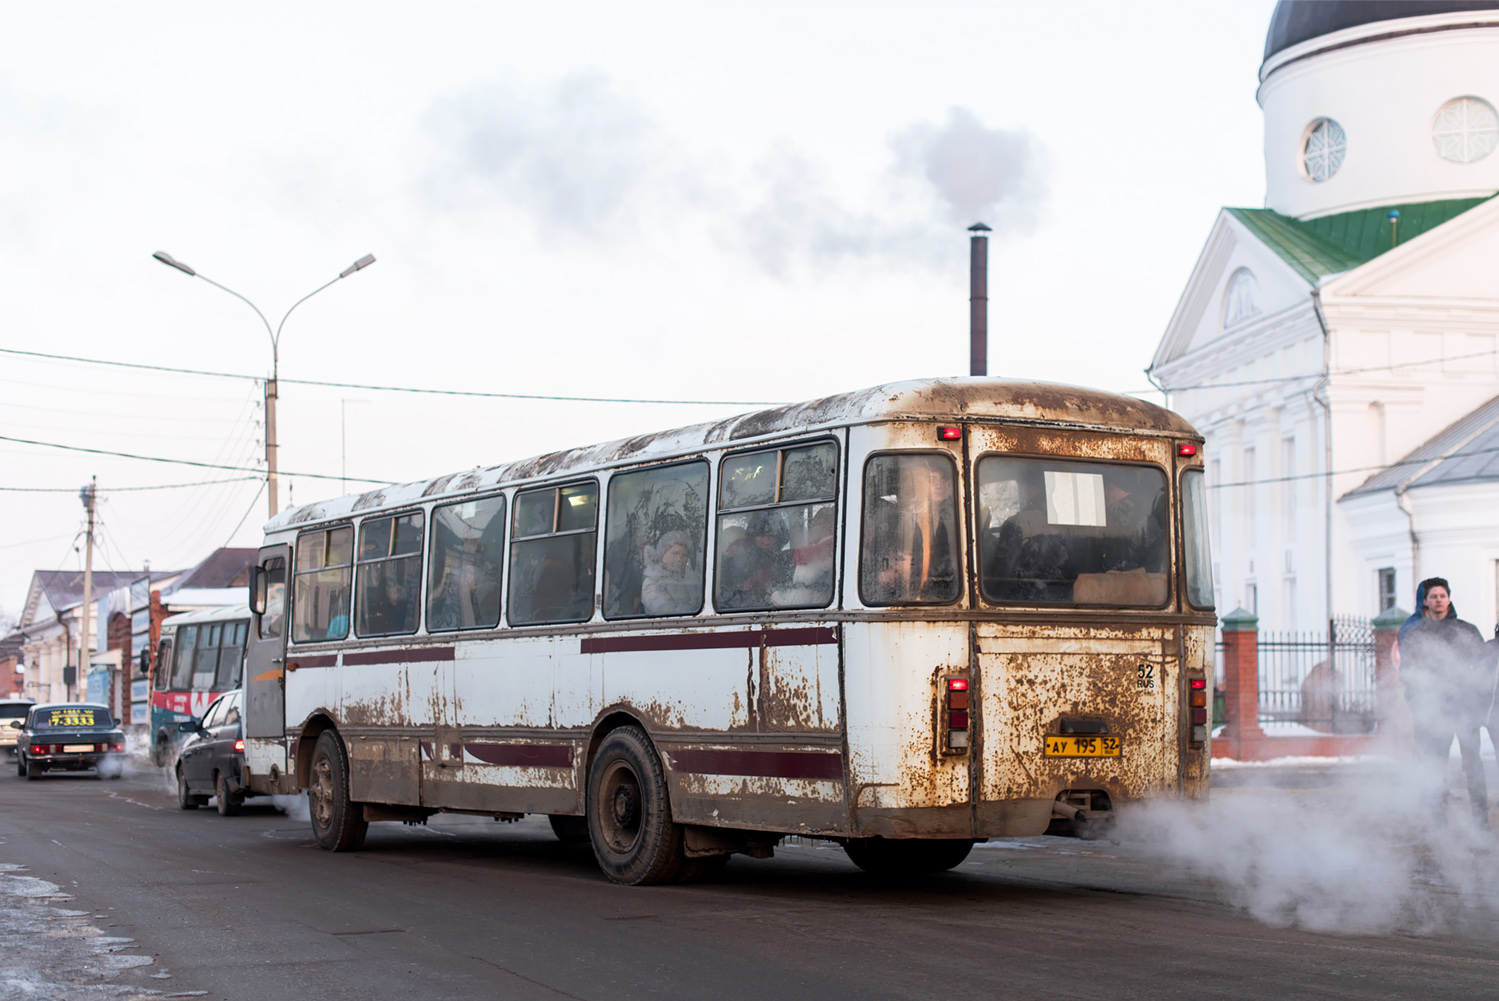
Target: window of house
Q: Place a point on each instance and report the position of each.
(553, 535)
(1387, 589)
(776, 545)
(464, 575)
(655, 539)
(388, 582)
(321, 582)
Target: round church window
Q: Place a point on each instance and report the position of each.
(1466, 129)
(1322, 149)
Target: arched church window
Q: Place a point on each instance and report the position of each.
(1465, 129)
(1241, 300)
(1323, 147)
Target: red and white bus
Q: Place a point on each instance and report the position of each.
(906, 619)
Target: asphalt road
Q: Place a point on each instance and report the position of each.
(248, 907)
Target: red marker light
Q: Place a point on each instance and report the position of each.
(957, 720)
(1185, 448)
(949, 434)
(1198, 683)
(957, 684)
(239, 745)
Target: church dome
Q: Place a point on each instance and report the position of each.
(1379, 103)
(1297, 21)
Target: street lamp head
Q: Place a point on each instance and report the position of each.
(358, 265)
(170, 261)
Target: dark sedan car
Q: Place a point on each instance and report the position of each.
(212, 761)
(69, 737)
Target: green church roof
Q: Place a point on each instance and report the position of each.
(1332, 244)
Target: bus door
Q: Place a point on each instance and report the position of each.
(265, 660)
(1077, 679)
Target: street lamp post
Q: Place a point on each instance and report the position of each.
(275, 335)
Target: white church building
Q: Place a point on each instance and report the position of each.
(1339, 347)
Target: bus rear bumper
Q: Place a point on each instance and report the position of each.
(1012, 818)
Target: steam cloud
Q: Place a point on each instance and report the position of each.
(1366, 856)
(579, 158)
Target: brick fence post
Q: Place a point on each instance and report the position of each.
(1391, 711)
(1241, 684)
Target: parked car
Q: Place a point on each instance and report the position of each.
(68, 737)
(12, 709)
(212, 761)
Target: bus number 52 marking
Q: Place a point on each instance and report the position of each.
(1145, 678)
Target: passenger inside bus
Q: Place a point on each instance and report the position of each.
(910, 527)
(672, 583)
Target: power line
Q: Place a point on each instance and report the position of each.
(116, 490)
(1355, 469)
(388, 389)
(185, 462)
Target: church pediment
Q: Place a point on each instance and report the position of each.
(1240, 278)
(1455, 260)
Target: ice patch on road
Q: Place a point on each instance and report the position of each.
(52, 952)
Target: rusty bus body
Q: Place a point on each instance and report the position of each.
(835, 721)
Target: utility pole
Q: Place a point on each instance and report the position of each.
(270, 435)
(85, 645)
(978, 299)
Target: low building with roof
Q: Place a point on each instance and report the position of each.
(1331, 335)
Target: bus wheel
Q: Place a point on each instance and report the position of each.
(629, 812)
(569, 830)
(161, 751)
(906, 857)
(338, 824)
(228, 803)
(187, 800)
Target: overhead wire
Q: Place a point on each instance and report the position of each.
(385, 389)
(184, 462)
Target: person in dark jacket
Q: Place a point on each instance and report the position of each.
(1442, 662)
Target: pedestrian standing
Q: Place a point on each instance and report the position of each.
(1442, 661)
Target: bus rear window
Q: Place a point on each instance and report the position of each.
(1072, 533)
(910, 533)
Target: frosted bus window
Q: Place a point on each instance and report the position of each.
(654, 541)
(551, 554)
(321, 585)
(1057, 532)
(463, 580)
(389, 579)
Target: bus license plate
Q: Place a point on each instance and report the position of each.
(1082, 747)
(69, 748)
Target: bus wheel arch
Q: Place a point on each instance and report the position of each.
(316, 724)
(609, 721)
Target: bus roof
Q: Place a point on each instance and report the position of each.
(225, 613)
(956, 399)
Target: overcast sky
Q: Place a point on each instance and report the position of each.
(752, 202)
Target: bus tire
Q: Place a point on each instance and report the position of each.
(161, 751)
(629, 812)
(906, 856)
(569, 830)
(187, 800)
(338, 823)
(228, 802)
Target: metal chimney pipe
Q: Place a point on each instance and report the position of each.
(978, 299)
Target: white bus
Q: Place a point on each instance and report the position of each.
(906, 618)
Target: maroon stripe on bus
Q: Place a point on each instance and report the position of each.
(414, 655)
(320, 660)
(745, 639)
(535, 755)
(761, 764)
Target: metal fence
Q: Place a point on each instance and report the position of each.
(1323, 682)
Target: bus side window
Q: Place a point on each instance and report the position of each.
(464, 570)
(320, 585)
(655, 534)
(206, 660)
(273, 579)
(909, 538)
(231, 656)
(162, 675)
(182, 663)
(388, 581)
(553, 539)
(777, 524)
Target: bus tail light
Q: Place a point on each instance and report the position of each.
(957, 713)
(949, 434)
(1186, 448)
(239, 745)
(1197, 703)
